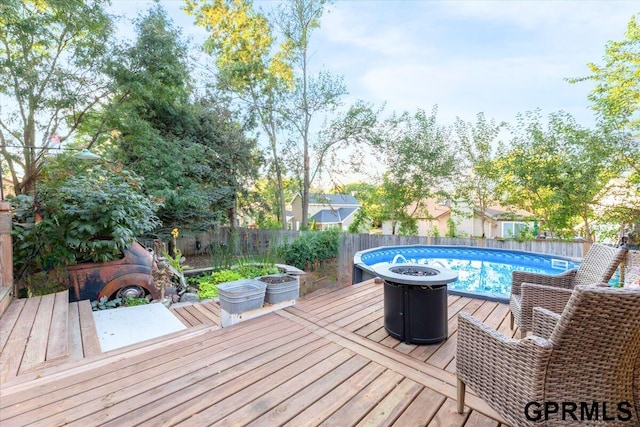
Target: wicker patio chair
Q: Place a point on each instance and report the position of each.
(591, 353)
(552, 292)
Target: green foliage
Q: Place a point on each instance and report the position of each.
(208, 285)
(88, 216)
(251, 270)
(105, 304)
(311, 248)
(190, 149)
(46, 282)
(557, 171)
(451, 228)
(52, 57)
(420, 161)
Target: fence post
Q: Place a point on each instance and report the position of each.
(6, 247)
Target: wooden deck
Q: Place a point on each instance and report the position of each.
(207, 313)
(325, 361)
(42, 331)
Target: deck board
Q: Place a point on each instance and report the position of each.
(325, 361)
(58, 343)
(36, 350)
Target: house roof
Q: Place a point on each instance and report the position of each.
(333, 216)
(333, 199)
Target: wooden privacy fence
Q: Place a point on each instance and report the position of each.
(243, 241)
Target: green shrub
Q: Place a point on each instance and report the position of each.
(208, 285)
(311, 247)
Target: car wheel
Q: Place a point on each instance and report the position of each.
(131, 291)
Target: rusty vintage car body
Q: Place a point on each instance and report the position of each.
(128, 276)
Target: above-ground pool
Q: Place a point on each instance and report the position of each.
(482, 272)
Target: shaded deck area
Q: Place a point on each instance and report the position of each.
(325, 361)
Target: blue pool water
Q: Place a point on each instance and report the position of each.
(481, 271)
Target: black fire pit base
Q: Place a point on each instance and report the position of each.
(416, 314)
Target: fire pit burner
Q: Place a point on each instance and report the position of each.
(414, 270)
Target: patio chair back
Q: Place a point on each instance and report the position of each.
(599, 265)
(596, 351)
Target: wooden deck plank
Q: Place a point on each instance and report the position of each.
(90, 340)
(393, 405)
(58, 345)
(421, 410)
(177, 312)
(207, 314)
(363, 402)
(324, 407)
(191, 357)
(425, 374)
(259, 386)
(294, 405)
(11, 356)
(341, 310)
(257, 407)
(75, 351)
(9, 319)
(35, 352)
(189, 318)
(365, 320)
(476, 419)
(448, 415)
(137, 406)
(200, 317)
(196, 410)
(25, 388)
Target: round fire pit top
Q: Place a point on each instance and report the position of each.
(416, 274)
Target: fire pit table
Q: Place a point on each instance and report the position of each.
(415, 301)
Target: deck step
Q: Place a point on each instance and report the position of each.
(89, 333)
(33, 332)
(6, 296)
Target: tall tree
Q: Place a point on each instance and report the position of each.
(250, 66)
(476, 177)
(192, 153)
(51, 54)
(616, 99)
(557, 172)
(313, 95)
(419, 157)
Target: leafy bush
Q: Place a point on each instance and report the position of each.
(310, 248)
(208, 285)
(88, 216)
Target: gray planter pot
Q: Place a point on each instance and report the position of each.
(280, 288)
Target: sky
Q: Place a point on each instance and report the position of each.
(497, 57)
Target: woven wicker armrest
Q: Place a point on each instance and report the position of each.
(563, 280)
(544, 322)
(507, 373)
(549, 297)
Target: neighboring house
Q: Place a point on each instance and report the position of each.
(499, 222)
(433, 215)
(325, 211)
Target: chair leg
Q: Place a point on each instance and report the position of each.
(511, 320)
(461, 391)
(523, 333)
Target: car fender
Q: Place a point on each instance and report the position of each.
(137, 279)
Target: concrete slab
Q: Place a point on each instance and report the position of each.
(124, 326)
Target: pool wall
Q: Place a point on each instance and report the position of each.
(363, 260)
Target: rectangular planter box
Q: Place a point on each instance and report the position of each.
(241, 295)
